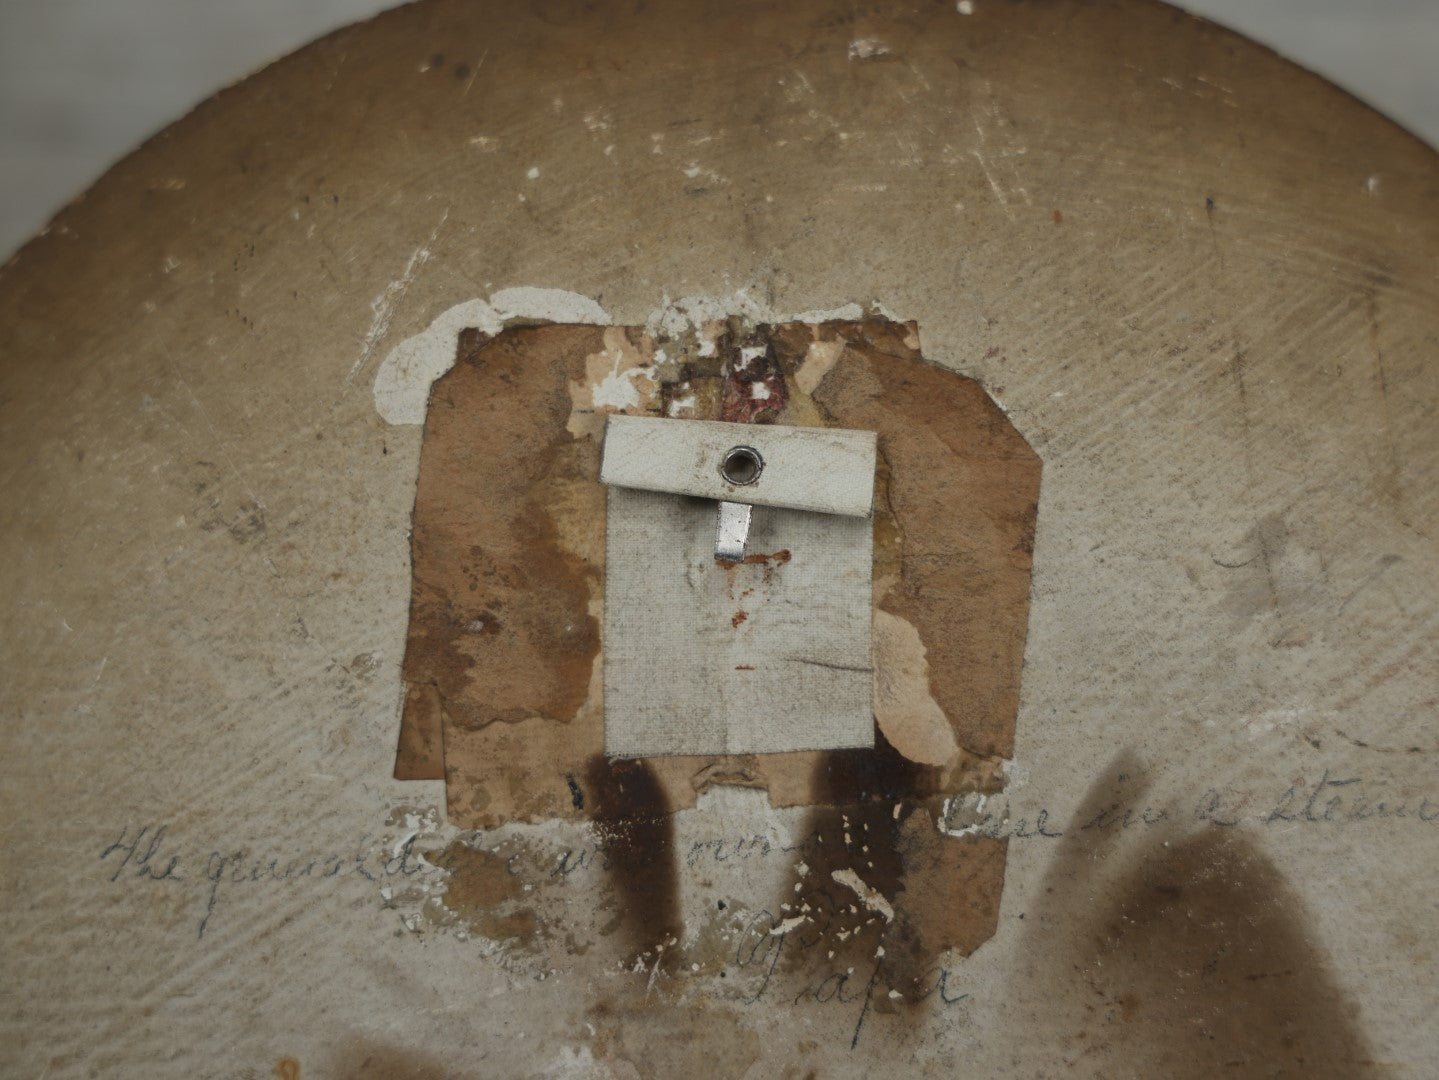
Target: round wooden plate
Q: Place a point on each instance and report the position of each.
(1201, 283)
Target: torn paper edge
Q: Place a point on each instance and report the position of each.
(402, 384)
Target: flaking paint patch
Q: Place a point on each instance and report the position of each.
(967, 814)
(869, 897)
(904, 891)
(402, 385)
(818, 359)
(686, 315)
(871, 842)
(867, 49)
(484, 895)
(619, 378)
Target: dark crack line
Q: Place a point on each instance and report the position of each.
(823, 664)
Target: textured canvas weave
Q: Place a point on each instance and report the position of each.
(769, 655)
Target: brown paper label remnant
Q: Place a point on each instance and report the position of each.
(503, 664)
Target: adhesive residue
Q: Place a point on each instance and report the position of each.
(619, 378)
(402, 385)
(484, 894)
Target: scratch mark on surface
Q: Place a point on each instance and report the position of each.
(1213, 237)
(383, 305)
(994, 184)
(1003, 151)
(1210, 82)
(1363, 745)
(474, 75)
(214, 435)
(1233, 565)
(1392, 471)
(1385, 562)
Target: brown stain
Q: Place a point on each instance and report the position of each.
(363, 1059)
(664, 1041)
(520, 926)
(963, 488)
(1190, 955)
(421, 751)
(773, 558)
(878, 821)
(500, 623)
(479, 880)
(769, 562)
(287, 1068)
(557, 633)
(636, 833)
(480, 884)
(548, 640)
(737, 618)
(1058, 217)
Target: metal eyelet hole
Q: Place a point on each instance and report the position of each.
(741, 465)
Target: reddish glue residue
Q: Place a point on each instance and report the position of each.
(754, 390)
(769, 561)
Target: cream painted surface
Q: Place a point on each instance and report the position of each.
(82, 82)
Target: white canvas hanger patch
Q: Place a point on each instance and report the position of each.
(738, 594)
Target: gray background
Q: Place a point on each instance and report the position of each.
(82, 82)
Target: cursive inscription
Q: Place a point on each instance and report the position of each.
(147, 855)
(142, 854)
